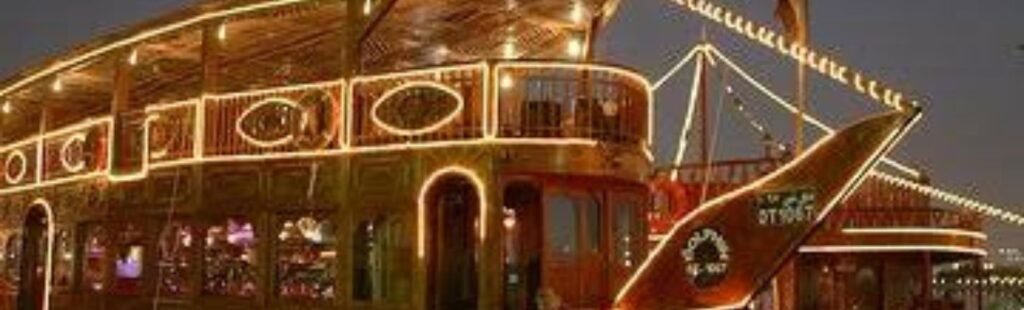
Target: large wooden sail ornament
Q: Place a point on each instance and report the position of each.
(719, 255)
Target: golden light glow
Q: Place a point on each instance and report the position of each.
(133, 58)
(451, 116)
(508, 50)
(7, 107)
(367, 7)
(892, 248)
(489, 124)
(805, 56)
(57, 86)
(507, 81)
(425, 191)
(948, 197)
(222, 32)
(578, 12)
(635, 77)
(574, 48)
(916, 231)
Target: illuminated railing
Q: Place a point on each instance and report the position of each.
(20, 163)
(543, 100)
(291, 119)
(480, 103)
(76, 151)
(441, 104)
(172, 129)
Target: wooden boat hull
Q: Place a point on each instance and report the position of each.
(721, 254)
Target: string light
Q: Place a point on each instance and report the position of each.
(367, 7)
(507, 81)
(948, 197)
(577, 12)
(57, 85)
(508, 50)
(574, 48)
(133, 58)
(805, 56)
(222, 31)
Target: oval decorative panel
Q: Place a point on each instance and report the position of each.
(417, 108)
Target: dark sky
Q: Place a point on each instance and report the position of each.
(963, 57)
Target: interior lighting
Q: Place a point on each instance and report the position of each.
(574, 48)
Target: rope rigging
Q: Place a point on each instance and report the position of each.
(707, 52)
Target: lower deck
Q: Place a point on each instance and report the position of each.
(403, 232)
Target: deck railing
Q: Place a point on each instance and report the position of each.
(505, 102)
(538, 100)
(441, 104)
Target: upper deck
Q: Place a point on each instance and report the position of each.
(485, 103)
(223, 81)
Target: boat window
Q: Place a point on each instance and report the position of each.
(230, 258)
(93, 267)
(129, 260)
(306, 258)
(592, 211)
(377, 244)
(561, 225)
(177, 247)
(625, 215)
(63, 260)
(12, 257)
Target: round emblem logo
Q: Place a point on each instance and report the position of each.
(706, 257)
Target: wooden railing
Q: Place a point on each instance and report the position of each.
(442, 104)
(537, 100)
(513, 102)
(172, 131)
(292, 119)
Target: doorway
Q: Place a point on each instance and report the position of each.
(453, 218)
(522, 244)
(35, 249)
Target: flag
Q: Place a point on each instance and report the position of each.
(793, 15)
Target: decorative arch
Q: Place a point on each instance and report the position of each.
(454, 170)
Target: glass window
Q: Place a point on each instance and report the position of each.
(592, 209)
(624, 216)
(12, 257)
(129, 260)
(63, 260)
(94, 252)
(306, 258)
(561, 225)
(230, 258)
(376, 245)
(177, 248)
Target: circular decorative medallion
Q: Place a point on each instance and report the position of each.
(15, 167)
(706, 257)
(72, 153)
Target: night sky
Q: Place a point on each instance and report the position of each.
(965, 58)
